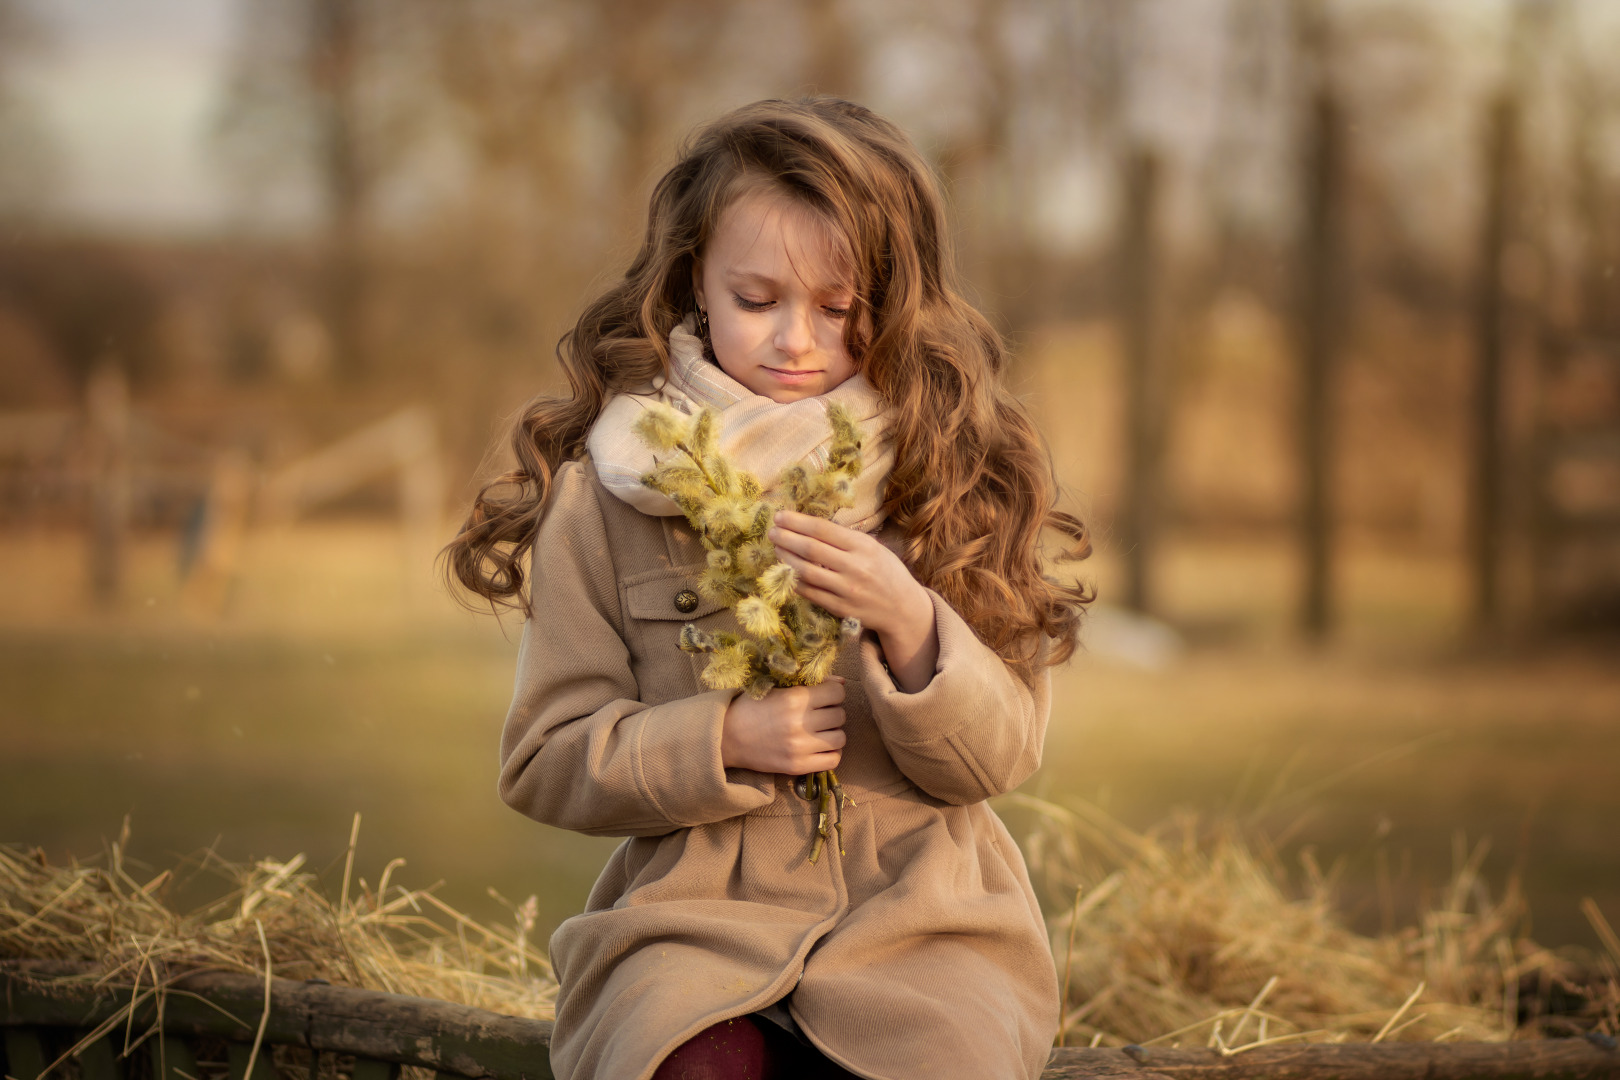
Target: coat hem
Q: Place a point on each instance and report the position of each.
(792, 972)
(775, 992)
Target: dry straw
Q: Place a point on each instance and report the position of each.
(1180, 935)
(275, 919)
(1190, 936)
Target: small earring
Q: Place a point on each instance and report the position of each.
(703, 334)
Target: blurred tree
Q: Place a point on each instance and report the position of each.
(91, 303)
(1249, 142)
(1322, 302)
(29, 162)
(835, 54)
(321, 96)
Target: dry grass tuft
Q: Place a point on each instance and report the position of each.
(1190, 936)
(1178, 935)
(275, 916)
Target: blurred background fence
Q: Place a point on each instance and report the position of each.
(1342, 269)
(1317, 303)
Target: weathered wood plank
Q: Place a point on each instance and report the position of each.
(263, 1067)
(1549, 1059)
(372, 1069)
(463, 1043)
(97, 1061)
(25, 1053)
(172, 1059)
(468, 1042)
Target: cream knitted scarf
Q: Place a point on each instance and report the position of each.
(758, 434)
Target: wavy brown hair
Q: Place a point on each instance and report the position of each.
(972, 487)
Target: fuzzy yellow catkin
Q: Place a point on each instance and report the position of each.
(787, 641)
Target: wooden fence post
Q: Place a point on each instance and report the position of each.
(1322, 255)
(1138, 312)
(335, 55)
(107, 446)
(1485, 524)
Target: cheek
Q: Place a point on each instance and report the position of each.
(731, 335)
(735, 343)
(845, 365)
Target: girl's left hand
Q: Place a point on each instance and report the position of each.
(851, 573)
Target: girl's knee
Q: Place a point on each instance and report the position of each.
(730, 1050)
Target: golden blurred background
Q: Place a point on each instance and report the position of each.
(1316, 301)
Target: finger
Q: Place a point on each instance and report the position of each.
(809, 548)
(829, 719)
(818, 742)
(829, 532)
(822, 762)
(833, 603)
(792, 697)
(827, 693)
(833, 739)
(806, 571)
(819, 530)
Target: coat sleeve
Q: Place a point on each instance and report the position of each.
(579, 750)
(975, 731)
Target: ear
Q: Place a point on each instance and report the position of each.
(697, 283)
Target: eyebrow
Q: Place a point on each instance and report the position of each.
(751, 275)
(758, 278)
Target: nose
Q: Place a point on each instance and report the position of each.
(795, 335)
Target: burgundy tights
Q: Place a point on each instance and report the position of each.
(747, 1049)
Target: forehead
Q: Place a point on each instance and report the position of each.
(771, 235)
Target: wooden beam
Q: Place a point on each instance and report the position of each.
(172, 1059)
(458, 1041)
(25, 1053)
(372, 1069)
(438, 1035)
(1545, 1059)
(97, 1061)
(263, 1067)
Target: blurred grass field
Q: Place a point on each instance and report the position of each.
(328, 688)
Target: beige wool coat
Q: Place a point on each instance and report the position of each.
(918, 954)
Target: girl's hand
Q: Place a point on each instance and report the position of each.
(793, 729)
(852, 574)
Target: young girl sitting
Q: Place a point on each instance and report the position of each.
(795, 255)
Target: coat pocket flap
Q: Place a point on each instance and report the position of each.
(668, 594)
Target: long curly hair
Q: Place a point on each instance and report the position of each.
(972, 486)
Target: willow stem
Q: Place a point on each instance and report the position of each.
(824, 789)
(687, 450)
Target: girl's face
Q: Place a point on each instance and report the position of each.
(776, 298)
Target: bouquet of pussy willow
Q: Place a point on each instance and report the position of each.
(786, 640)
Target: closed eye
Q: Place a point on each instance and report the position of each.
(761, 305)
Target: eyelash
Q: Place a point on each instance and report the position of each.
(761, 305)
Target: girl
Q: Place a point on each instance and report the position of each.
(796, 254)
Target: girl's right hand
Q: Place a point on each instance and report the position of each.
(793, 730)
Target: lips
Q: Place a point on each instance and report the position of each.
(793, 376)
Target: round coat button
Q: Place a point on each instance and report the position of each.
(686, 601)
(801, 787)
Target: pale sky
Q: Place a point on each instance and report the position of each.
(126, 89)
